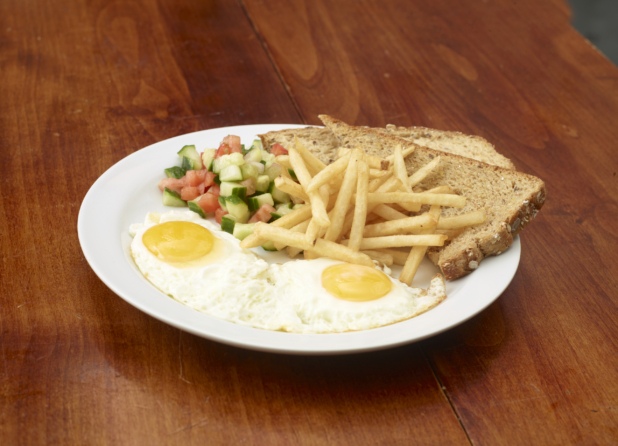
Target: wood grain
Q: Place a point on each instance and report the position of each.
(539, 366)
(85, 84)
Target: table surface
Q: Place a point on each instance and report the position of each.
(84, 84)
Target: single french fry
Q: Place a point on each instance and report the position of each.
(291, 187)
(331, 171)
(407, 151)
(403, 197)
(394, 241)
(313, 163)
(292, 252)
(373, 162)
(312, 230)
(301, 227)
(343, 199)
(400, 226)
(284, 160)
(381, 257)
(388, 213)
(422, 173)
(360, 206)
(439, 190)
(281, 235)
(375, 173)
(317, 204)
(326, 248)
(450, 233)
(463, 220)
(400, 168)
(418, 252)
(287, 221)
(378, 182)
(399, 257)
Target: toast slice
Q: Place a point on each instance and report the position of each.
(510, 199)
(324, 143)
(456, 143)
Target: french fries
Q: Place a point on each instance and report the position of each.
(303, 175)
(358, 210)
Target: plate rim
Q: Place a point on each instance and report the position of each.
(240, 337)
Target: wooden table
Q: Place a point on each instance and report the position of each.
(85, 84)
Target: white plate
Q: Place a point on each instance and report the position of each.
(128, 190)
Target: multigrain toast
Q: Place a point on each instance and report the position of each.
(509, 199)
(456, 143)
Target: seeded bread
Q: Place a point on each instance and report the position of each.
(320, 140)
(457, 143)
(509, 199)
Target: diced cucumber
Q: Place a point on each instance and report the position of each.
(274, 216)
(193, 206)
(187, 164)
(297, 206)
(191, 153)
(284, 208)
(242, 230)
(171, 198)
(217, 180)
(257, 143)
(269, 246)
(256, 202)
(254, 155)
(228, 223)
(273, 171)
(226, 188)
(222, 162)
(175, 172)
(262, 183)
(231, 173)
(268, 158)
(278, 196)
(248, 171)
(237, 208)
(240, 192)
(222, 203)
(208, 157)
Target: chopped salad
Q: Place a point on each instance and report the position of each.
(231, 182)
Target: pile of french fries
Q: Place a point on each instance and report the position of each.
(361, 208)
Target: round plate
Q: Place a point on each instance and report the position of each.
(128, 191)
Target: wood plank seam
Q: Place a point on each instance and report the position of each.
(287, 88)
(443, 390)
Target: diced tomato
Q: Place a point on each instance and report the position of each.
(249, 183)
(209, 203)
(172, 183)
(209, 179)
(201, 188)
(215, 190)
(263, 214)
(189, 193)
(225, 149)
(278, 149)
(234, 142)
(195, 177)
(219, 213)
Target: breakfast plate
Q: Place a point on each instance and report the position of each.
(126, 192)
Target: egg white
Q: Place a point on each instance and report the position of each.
(234, 284)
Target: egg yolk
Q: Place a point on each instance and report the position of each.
(356, 283)
(178, 241)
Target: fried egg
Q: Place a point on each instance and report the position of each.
(330, 296)
(193, 261)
